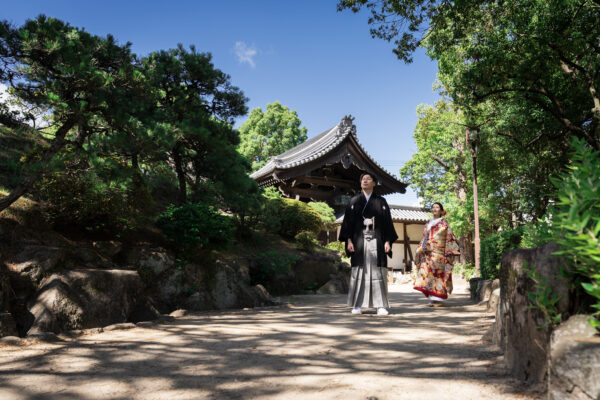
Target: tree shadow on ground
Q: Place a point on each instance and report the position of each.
(310, 347)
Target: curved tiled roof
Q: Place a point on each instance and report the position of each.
(314, 149)
(403, 213)
(305, 152)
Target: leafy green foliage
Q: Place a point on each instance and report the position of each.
(82, 80)
(494, 246)
(539, 53)
(270, 133)
(271, 192)
(325, 212)
(288, 217)
(543, 298)
(466, 270)
(196, 107)
(80, 202)
(195, 226)
(440, 166)
(577, 222)
(340, 248)
(528, 80)
(336, 246)
(144, 126)
(537, 234)
(306, 241)
(270, 264)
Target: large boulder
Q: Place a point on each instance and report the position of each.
(151, 262)
(482, 289)
(34, 263)
(230, 288)
(475, 285)
(8, 326)
(338, 284)
(308, 273)
(86, 255)
(225, 289)
(314, 270)
(167, 284)
(493, 301)
(108, 249)
(574, 368)
(81, 299)
(520, 329)
(5, 289)
(221, 285)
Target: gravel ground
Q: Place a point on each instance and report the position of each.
(313, 348)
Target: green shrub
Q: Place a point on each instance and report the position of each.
(325, 212)
(577, 222)
(494, 246)
(340, 248)
(271, 192)
(306, 241)
(543, 299)
(466, 270)
(537, 234)
(337, 246)
(195, 226)
(80, 201)
(271, 264)
(288, 217)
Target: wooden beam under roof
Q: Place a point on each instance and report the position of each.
(325, 181)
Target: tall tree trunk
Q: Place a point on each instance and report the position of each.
(466, 244)
(473, 142)
(180, 173)
(55, 146)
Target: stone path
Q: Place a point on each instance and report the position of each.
(312, 349)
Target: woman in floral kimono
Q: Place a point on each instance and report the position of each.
(435, 256)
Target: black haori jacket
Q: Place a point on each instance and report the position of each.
(353, 225)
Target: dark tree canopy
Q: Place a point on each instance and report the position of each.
(167, 115)
(84, 81)
(543, 53)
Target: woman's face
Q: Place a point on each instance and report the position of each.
(436, 210)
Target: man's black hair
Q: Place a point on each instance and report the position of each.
(370, 174)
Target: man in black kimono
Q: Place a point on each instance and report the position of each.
(369, 233)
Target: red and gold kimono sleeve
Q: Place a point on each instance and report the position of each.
(452, 247)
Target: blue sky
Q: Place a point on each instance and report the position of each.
(315, 60)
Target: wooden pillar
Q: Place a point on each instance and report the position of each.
(407, 247)
(406, 244)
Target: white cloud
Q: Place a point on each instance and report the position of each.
(245, 53)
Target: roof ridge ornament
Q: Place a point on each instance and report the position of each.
(347, 126)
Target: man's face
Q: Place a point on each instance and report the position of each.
(367, 183)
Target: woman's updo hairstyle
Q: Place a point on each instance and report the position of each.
(443, 212)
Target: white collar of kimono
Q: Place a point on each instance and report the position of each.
(367, 196)
(432, 222)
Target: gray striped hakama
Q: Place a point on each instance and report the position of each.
(368, 283)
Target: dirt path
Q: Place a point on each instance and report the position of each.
(313, 349)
